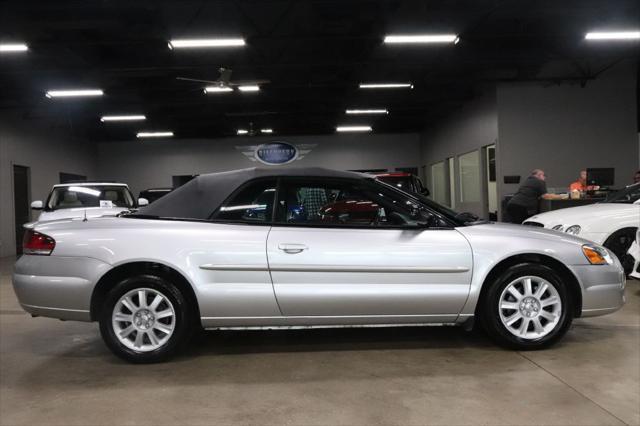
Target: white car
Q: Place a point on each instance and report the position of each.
(86, 199)
(612, 223)
(290, 247)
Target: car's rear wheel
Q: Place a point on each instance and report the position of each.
(145, 319)
(527, 307)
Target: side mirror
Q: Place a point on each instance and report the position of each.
(425, 191)
(143, 202)
(415, 213)
(429, 221)
(467, 217)
(37, 205)
(423, 218)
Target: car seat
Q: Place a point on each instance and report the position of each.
(70, 199)
(111, 195)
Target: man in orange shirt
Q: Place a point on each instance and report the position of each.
(581, 183)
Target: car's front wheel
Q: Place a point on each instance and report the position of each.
(145, 319)
(527, 307)
(619, 243)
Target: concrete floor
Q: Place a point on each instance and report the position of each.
(60, 373)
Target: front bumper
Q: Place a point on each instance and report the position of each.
(602, 288)
(57, 286)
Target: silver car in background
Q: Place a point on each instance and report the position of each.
(283, 247)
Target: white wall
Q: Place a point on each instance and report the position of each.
(563, 129)
(47, 151)
(468, 129)
(152, 163)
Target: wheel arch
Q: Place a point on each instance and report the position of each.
(118, 273)
(632, 229)
(565, 273)
(627, 264)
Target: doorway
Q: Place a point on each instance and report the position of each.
(180, 180)
(491, 187)
(21, 198)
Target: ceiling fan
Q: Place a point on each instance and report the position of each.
(224, 83)
(251, 131)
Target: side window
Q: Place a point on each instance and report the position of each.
(314, 202)
(254, 203)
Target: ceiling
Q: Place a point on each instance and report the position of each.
(314, 52)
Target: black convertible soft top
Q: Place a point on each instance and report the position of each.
(198, 198)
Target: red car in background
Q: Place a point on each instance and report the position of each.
(405, 181)
(366, 212)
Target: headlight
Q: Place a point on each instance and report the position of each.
(575, 230)
(597, 255)
(557, 228)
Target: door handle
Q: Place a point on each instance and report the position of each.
(292, 248)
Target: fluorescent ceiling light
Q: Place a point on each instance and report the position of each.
(217, 89)
(154, 134)
(14, 47)
(249, 88)
(266, 130)
(613, 35)
(353, 128)
(386, 86)
(367, 111)
(122, 118)
(421, 38)
(73, 93)
(242, 132)
(206, 42)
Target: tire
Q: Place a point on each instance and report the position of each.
(147, 333)
(619, 243)
(499, 306)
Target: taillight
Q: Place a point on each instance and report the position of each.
(37, 243)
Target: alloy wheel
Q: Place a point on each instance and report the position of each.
(530, 307)
(143, 319)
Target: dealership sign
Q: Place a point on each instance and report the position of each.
(275, 153)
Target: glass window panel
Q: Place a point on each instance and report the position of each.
(254, 203)
(313, 202)
(469, 177)
(439, 183)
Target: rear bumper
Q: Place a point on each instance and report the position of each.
(57, 287)
(602, 288)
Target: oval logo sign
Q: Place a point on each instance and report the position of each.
(275, 153)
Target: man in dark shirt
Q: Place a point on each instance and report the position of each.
(524, 203)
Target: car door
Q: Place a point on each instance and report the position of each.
(348, 249)
(232, 270)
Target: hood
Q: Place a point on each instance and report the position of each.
(584, 214)
(520, 232)
(79, 212)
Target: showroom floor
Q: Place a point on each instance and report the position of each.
(60, 373)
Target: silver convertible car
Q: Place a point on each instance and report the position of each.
(289, 247)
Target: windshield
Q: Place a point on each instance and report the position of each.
(446, 212)
(629, 195)
(68, 197)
